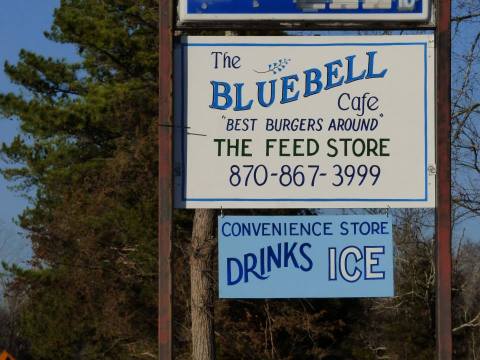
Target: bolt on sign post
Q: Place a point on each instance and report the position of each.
(305, 122)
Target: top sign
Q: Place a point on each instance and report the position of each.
(310, 10)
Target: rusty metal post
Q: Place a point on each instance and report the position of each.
(444, 214)
(165, 204)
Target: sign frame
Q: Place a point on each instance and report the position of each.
(342, 18)
(331, 256)
(184, 199)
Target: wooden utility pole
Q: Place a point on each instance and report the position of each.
(202, 283)
(203, 244)
(444, 197)
(165, 205)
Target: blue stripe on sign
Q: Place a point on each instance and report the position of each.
(425, 197)
(284, 7)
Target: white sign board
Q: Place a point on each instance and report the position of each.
(305, 122)
(307, 10)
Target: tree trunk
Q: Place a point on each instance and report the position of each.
(201, 278)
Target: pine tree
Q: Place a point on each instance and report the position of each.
(87, 156)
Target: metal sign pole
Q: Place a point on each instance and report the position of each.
(165, 203)
(443, 216)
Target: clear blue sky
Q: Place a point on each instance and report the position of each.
(22, 23)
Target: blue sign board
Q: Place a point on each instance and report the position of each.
(305, 256)
(208, 10)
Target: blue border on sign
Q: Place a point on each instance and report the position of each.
(276, 7)
(184, 133)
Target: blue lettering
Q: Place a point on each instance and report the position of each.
(384, 229)
(236, 229)
(347, 95)
(293, 229)
(288, 86)
(261, 93)
(332, 74)
(309, 81)
(229, 271)
(350, 67)
(314, 227)
(238, 104)
(217, 94)
(304, 229)
(327, 228)
(223, 229)
(289, 255)
(371, 64)
(223, 97)
(276, 258)
(246, 229)
(262, 261)
(276, 229)
(265, 228)
(306, 257)
(250, 267)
